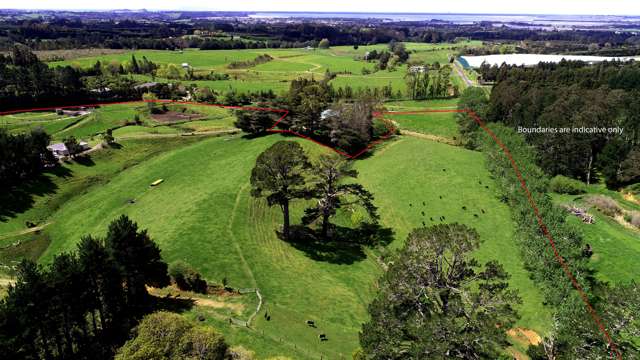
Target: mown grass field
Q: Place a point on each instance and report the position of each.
(287, 64)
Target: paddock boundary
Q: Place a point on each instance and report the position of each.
(615, 352)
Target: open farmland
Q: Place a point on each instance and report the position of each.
(125, 120)
(203, 214)
(287, 64)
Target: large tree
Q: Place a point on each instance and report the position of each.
(331, 193)
(254, 122)
(279, 176)
(437, 302)
(137, 258)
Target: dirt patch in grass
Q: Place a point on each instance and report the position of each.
(631, 198)
(211, 301)
(176, 116)
(524, 336)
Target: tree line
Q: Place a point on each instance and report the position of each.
(573, 95)
(429, 82)
(83, 304)
(316, 110)
(24, 156)
(27, 82)
(575, 334)
(161, 31)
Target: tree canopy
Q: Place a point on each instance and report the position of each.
(436, 301)
(279, 176)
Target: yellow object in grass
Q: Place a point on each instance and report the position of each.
(157, 182)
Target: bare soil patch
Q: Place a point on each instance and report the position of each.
(524, 336)
(176, 116)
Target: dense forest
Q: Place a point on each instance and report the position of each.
(161, 31)
(540, 101)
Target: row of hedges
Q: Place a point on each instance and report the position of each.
(575, 334)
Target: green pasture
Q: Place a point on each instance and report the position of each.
(615, 247)
(119, 117)
(442, 124)
(287, 64)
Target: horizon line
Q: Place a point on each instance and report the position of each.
(80, 10)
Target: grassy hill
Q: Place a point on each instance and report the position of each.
(204, 215)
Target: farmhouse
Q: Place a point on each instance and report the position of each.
(60, 150)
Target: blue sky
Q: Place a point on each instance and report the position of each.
(592, 7)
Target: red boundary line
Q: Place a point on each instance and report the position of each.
(615, 352)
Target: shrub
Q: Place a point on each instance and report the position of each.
(564, 185)
(165, 335)
(605, 204)
(186, 278)
(381, 128)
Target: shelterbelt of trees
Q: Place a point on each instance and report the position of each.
(573, 95)
(575, 335)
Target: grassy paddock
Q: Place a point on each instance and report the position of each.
(287, 64)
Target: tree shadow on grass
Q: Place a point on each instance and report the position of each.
(168, 303)
(346, 245)
(84, 160)
(21, 198)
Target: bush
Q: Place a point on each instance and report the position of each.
(165, 335)
(564, 185)
(605, 204)
(186, 278)
(381, 128)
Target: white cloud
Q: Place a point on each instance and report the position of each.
(593, 7)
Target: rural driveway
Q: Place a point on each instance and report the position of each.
(461, 73)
